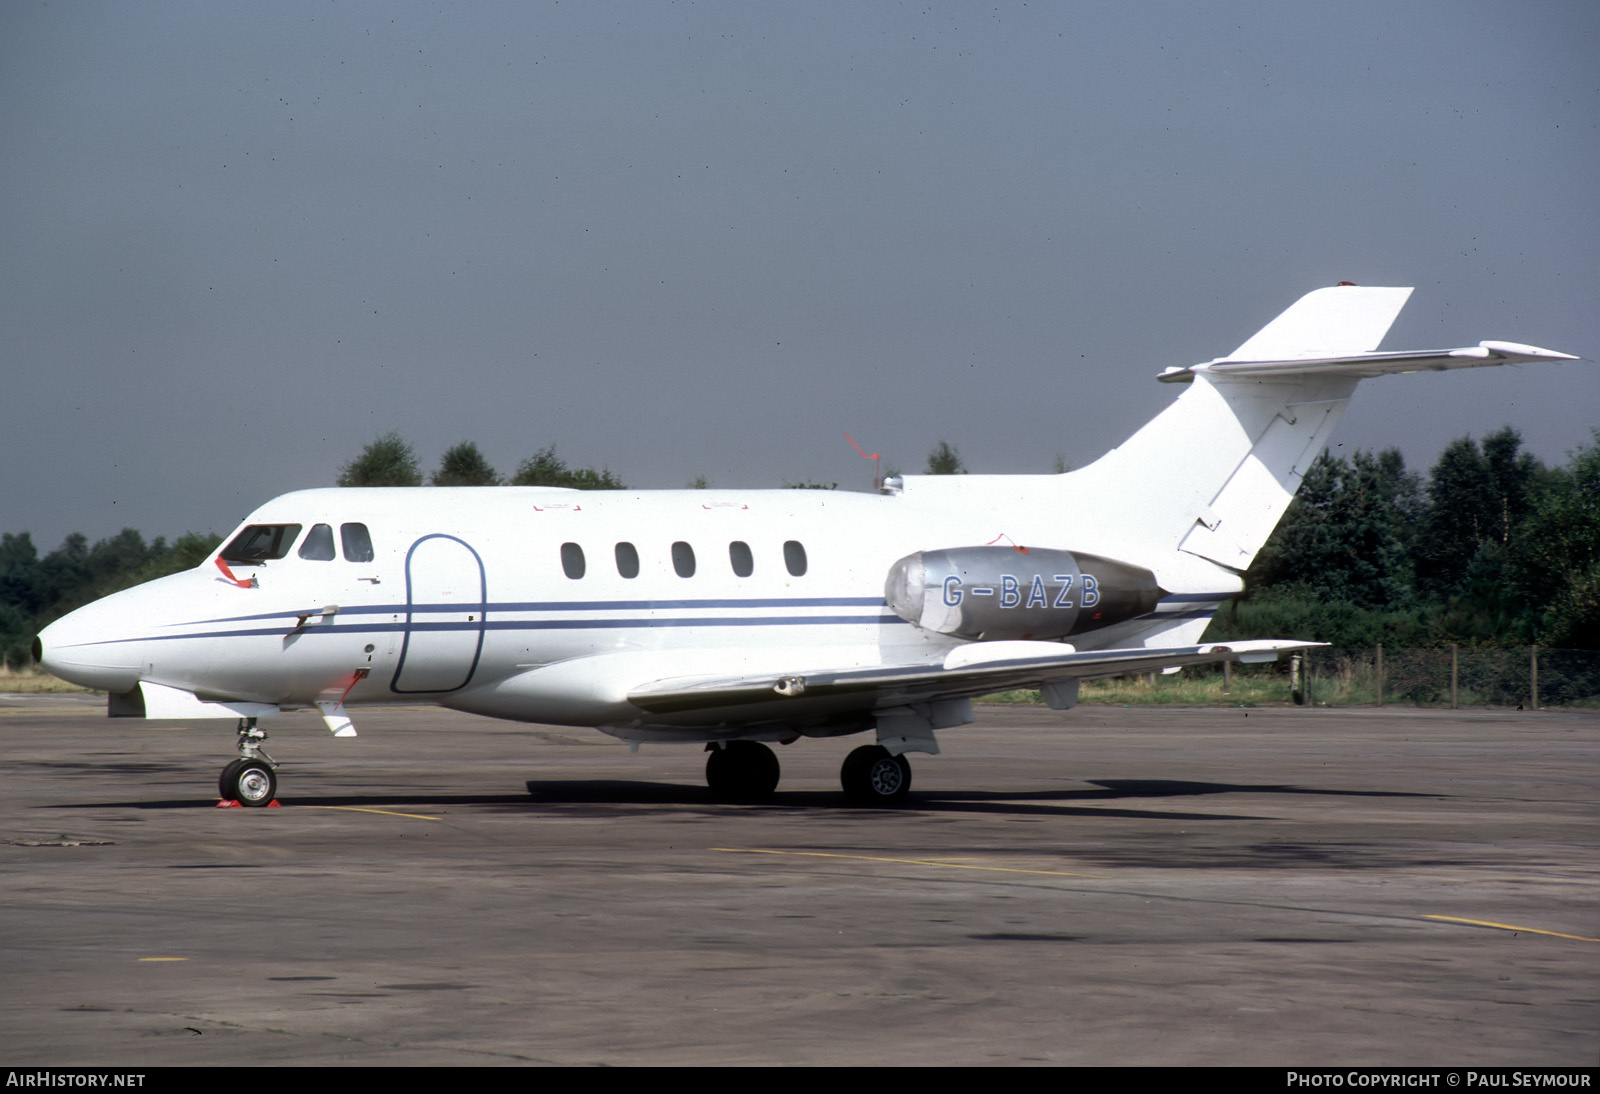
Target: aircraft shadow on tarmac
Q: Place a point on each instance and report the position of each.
(626, 796)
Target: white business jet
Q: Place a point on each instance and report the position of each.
(735, 618)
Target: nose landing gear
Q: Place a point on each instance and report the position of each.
(249, 780)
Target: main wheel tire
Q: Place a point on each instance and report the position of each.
(253, 782)
(742, 771)
(227, 782)
(871, 776)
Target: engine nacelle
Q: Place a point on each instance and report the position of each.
(1007, 592)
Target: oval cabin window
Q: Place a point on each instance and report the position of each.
(572, 560)
(683, 559)
(794, 557)
(627, 560)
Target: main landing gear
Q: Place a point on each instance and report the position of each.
(249, 780)
(871, 776)
(741, 771)
(747, 772)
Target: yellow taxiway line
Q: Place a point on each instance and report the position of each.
(1509, 927)
(363, 809)
(900, 861)
(1065, 873)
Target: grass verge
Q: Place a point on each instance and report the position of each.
(35, 682)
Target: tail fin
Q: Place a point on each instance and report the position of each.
(1214, 472)
(1327, 323)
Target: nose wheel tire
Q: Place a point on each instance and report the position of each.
(248, 782)
(871, 776)
(226, 789)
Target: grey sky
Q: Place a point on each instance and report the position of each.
(239, 241)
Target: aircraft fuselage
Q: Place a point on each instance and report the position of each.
(469, 588)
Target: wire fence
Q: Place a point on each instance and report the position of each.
(1527, 677)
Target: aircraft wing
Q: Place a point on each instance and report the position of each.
(976, 669)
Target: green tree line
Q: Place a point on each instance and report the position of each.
(390, 461)
(35, 590)
(1494, 549)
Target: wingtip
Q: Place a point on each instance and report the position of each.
(1537, 353)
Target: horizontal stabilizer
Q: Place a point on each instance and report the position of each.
(1021, 665)
(1367, 365)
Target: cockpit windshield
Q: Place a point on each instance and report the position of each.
(261, 543)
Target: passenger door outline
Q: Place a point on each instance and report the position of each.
(440, 628)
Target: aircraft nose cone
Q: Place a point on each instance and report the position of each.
(76, 649)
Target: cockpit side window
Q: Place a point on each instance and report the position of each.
(319, 544)
(261, 543)
(357, 543)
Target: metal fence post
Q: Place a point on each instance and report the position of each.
(1380, 674)
(1533, 675)
(1454, 667)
